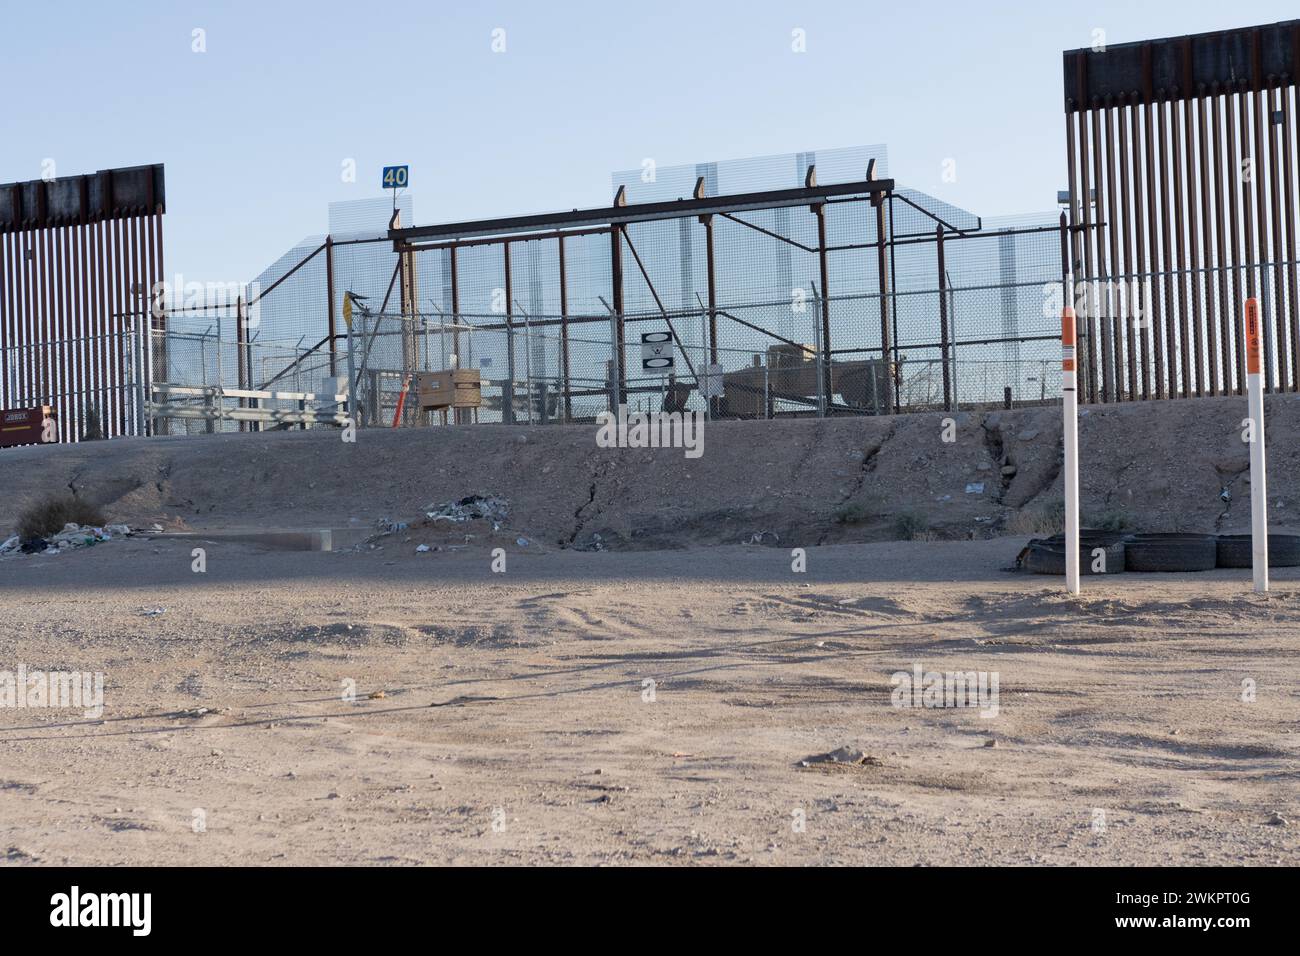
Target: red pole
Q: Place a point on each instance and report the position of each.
(401, 400)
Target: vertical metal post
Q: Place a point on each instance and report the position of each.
(508, 396)
(1073, 185)
(1180, 243)
(1268, 338)
(1258, 484)
(1225, 305)
(1101, 302)
(459, 415)
(1112, 220)
(1195, 357)
(564, 331)
(241, 376)
(1070, 436)
(162, 359)
(67, 414)
(1236, 280)
(827, 382)
(7, 338)
(1170, 370)
(943, 312)
(618, 372)
(1142, 300)
(1126, 291)
(897, 368)
(453, 267)
(1286, 373)
(100, 325)
(1087, 280)
(1211, 337)
(329, 292)
(352, 376)
(1293, 287)
(119, 330)
(882, 269)
(715, 401)
(1153, 325)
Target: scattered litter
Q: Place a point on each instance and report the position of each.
(488, 507)
(387, 526)
(761, 537)
(522, 542)
(378, 695)
(152, 611)
(1277, 820)
(72, 536)
(944, 498)
(192, 712)
(1225, 495)
(990, 743)
(975, 488)
(594, 543)
(421, 549)
(845, 756)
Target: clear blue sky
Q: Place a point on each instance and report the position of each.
(255, 130)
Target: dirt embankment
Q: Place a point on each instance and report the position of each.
(1158, 466)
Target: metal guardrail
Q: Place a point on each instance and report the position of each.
(213, 408)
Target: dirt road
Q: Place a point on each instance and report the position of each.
(512, 719)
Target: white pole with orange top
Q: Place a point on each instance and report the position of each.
(1070, 437)
(1258, 485)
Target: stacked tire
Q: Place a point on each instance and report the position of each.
(1047, 555)
(1171, 552)
(1161, 552)
(1235, 551)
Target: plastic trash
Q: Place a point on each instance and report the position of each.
(489, 507)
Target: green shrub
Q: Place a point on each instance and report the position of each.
(854, 513)
(910, 525)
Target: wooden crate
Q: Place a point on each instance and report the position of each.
(459, 388)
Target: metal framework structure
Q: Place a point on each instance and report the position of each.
(613, 221)
(1183, 201)
(78, 258)
(895, 290)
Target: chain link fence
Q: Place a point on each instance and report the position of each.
(99, 381)
(846, 307)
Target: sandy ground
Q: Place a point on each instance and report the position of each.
(514, 724)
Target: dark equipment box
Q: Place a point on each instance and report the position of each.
(23, 426)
